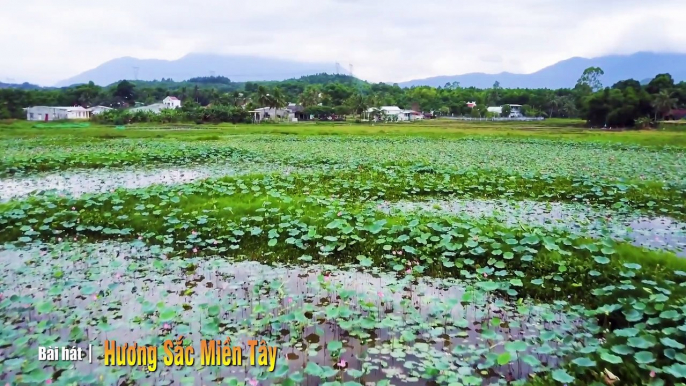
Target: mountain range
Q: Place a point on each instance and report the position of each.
(641, 66)
(238, 68)
(638, 66)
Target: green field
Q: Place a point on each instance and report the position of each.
(430, 253)
(558, 129)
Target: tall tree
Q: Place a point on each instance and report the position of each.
(126, 91)
(663, 103)
(310, 96)
(277, 100)
(661, 82)
(591, 78)
(357, 103)
(263, 97)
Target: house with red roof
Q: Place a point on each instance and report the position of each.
(676, 114)
(171, 102)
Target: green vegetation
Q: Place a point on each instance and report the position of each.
(217, 99)
(670, 135)
(315, 249)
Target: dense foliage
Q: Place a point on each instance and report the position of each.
(626, 103)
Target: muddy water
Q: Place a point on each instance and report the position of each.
(119, 292)
(651, 232)
(79, 182)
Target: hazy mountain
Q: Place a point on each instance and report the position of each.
(22, 86)
(639, 66)
(235, 67)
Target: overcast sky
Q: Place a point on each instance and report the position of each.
(44, 41)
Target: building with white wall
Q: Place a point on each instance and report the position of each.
(171, 102)
(53, 113)
(515, 111)
(95, 110)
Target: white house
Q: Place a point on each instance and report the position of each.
(169, 102)
(498, 110)
(515, 111)
(52, 113)
(95, 110)
(410, 115)
(172, 102)
(391, 112)
(270, 113)
(153, 108)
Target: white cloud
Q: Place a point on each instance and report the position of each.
(44, 41)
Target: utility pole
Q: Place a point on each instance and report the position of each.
(338, 68)
(135, 73)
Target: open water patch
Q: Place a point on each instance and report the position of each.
(330, 323)
(663, 233)
(79, 182)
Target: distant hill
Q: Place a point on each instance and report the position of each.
(235, 67)
(21, 86)
(564, 74)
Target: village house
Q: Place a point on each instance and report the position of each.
(169, 102)
(95, 110)
(53, 113)
(292, 112)
(172, 102)
(676, 114)
(154, 108)
(515, 111)
(394, 113)
(411, 115)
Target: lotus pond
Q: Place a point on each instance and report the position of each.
(367, 261)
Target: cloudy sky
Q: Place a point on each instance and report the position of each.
(44, 41)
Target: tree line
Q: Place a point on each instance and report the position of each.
(217, 99)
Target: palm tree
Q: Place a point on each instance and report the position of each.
(263, 97)
(309, 97)
(237, 99)
(663, 103)
(555, 104)
(374, 99)
(277, 100)
(568, 106)
(643, 122)
(358, 103)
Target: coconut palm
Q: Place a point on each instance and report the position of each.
(358, 103)
(663, 103)
(237, 99)
(277, 100)
(566, 106)
(374, 99)
(263, 97)
(555, 104)
(643, 123)
(310, 96)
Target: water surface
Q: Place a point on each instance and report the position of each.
(651, 232)
(401, 328)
